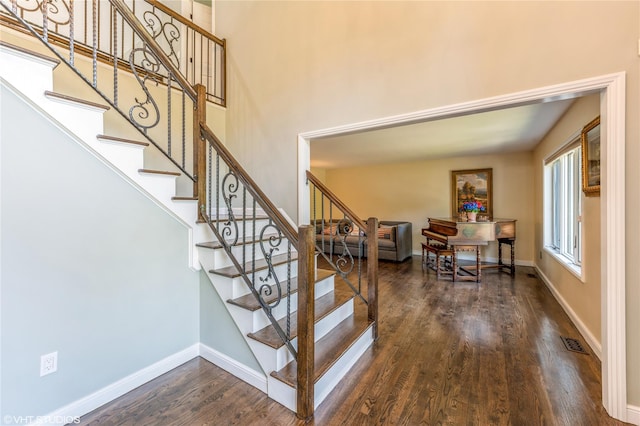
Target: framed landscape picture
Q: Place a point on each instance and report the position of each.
(471, 185)
(591, 158)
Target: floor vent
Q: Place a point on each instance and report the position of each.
(573, 345)
(530, 275)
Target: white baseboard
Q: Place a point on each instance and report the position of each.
(257, 379)
(633, 414)
(70, 412)
(595, 345)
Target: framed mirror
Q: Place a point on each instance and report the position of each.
(590, 140)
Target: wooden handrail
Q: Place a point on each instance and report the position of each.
(185, 21)
(370, 228)
(270, 209)
(335, 200)
(372, 274)
(199, 148)
(306, 309)
(141, 32)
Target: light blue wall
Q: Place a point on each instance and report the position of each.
(90, 268)
(217, 328)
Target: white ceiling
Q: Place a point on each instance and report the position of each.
(506, 130)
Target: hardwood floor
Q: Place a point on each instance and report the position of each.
(454, 354)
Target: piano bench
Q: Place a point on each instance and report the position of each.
(438, 250)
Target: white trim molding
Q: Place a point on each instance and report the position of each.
(115, 390)
(613, 234)
(633, 415)
(593, 343)
(257, 379)
(612, 106)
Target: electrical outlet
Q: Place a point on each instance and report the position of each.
(48, 363)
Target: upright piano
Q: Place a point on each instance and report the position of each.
(460, 235)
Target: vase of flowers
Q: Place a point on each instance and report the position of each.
(472, 208)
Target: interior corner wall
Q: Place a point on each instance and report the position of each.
(583, 298)
(296, 67)
(415, 191)
(91, 268)
(218, 330)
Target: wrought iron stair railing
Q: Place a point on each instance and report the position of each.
(97, 40)
(199, 55)
(229, 201)
(344, 240)
(250, 227)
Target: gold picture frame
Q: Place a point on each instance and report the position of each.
(474, 184)
(590, 141)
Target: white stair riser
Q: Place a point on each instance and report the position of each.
(253, 321)
(244, 227)
(29, 75)
(161, 187)
(282, 393)
(341, 367)
(329, 322)
(82, 120)
(239, 288)
(286, 395)
(129, 159)
(248, 252)
(321, 328)
(186, 210)
(202, 232)
(270, 359)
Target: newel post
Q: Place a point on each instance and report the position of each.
(372, 273)
(200, 148)
(306, 308)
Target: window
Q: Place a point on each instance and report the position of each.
(564, 230)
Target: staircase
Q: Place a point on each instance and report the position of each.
(341, 326)
(248, 247)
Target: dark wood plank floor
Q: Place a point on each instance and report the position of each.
(448, 354)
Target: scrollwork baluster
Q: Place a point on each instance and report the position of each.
(345, 262)
(140, 114)
(230, 186)
(270, 244)
(166, 34)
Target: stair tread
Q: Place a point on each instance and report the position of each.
(159, 172)
(29, 52)
(237, 218)
(324, 305)
(123, 140)
(329, 348)
(218, 244)
(260, 264)
(73, 99)
(178, 198)
(249, 302)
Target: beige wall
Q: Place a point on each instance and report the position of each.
(301, 66)
(583, 297)
(418, 190)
